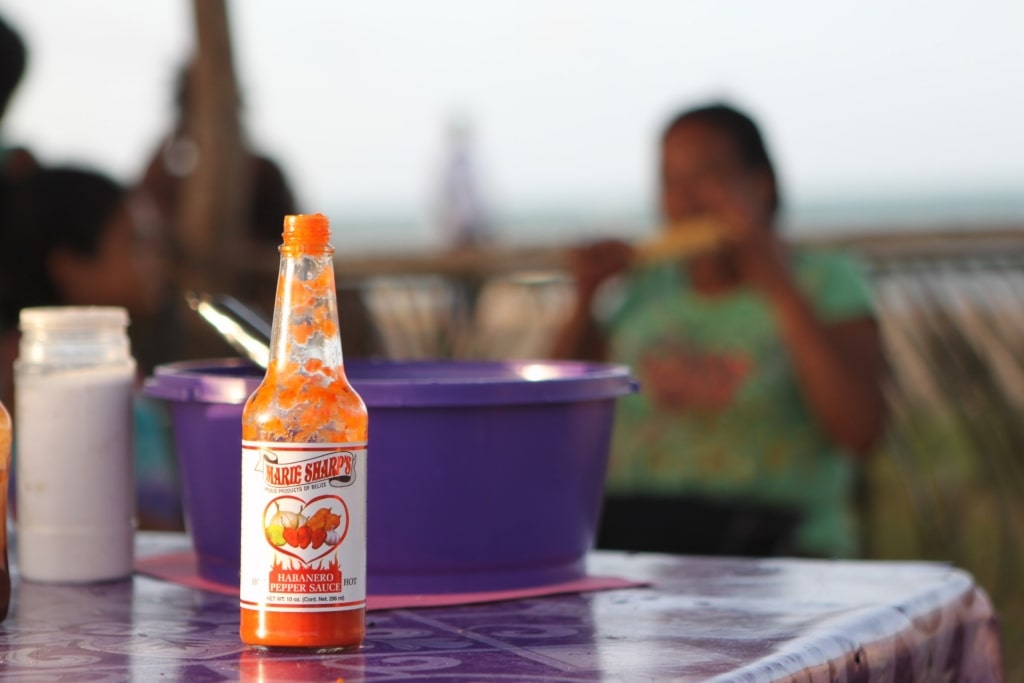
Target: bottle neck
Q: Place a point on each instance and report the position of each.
(305, 326)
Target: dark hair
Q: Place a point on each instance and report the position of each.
(58, 208)
(738, 127)
(12, 63)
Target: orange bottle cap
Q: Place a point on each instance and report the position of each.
(307, 229)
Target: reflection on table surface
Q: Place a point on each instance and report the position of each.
(700, 619)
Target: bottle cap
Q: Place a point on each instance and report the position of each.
(309, 230)
(72, 318)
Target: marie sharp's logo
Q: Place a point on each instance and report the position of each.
(337, 468)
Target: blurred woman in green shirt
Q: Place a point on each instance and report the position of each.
(760, 366)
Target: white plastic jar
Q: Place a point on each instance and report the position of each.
(75, 456)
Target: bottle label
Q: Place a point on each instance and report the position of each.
(303, 526)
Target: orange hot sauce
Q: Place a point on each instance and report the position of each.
(304, 437)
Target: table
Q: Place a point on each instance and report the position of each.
(700, 619)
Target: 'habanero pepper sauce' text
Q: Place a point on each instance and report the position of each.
(304, 437)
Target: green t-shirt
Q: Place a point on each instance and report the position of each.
(719, 413)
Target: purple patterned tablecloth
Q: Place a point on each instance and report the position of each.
(700, 620)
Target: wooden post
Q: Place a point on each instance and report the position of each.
(211, 211)
(212, 201)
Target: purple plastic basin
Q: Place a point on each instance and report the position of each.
(481, 475)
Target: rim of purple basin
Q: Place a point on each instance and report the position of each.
(411, 383)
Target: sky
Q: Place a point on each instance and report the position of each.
(565, 97)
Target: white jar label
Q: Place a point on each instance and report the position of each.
(303, 526)
(76, 488)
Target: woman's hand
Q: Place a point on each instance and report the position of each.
(594, 263)
(590, 265)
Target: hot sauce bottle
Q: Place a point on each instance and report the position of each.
(304, 437)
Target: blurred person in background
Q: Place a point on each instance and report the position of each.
(172, 335)
(760, 365)
(178, 155)
(462, 214)
(270, 199)
(462, 218)
(75, 237)
(15, 161)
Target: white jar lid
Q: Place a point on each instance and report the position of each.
(57, 337)
(72, 317)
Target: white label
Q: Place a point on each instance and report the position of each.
(303, 526)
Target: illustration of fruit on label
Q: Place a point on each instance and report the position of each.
(306, 530)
